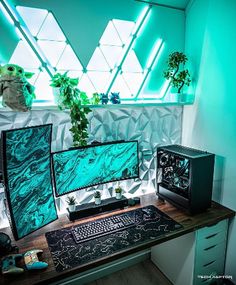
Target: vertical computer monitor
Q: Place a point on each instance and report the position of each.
(94, 164)
(27, 178)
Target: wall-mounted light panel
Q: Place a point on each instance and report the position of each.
(44, 49)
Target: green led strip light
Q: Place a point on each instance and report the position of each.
(151, 60)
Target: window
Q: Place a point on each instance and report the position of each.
(113, 67)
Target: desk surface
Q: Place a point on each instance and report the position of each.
(37, 239)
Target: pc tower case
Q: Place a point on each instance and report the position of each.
(185, 177)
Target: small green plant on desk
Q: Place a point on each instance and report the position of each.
(118, 192)
(71, 201)
(97, 197)
(178, 78)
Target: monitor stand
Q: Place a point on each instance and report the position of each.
(90, 209)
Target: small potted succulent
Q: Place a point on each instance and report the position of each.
(118, 192)
(97, 197)
(71, 201)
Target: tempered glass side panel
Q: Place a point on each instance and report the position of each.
(92, 165)
(27, 178)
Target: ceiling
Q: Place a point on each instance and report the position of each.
(180, 4)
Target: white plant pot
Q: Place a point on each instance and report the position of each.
(71, 208)
(118, 196)
(176, 97)
(97, 201)
(56, 95)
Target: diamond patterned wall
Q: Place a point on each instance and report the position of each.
(151, 126)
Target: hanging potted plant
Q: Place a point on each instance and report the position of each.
(71, 201)
(71, 98)
(118, 192)
(97, 197)
(176, 73)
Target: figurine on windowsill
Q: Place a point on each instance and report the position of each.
(95, 99)
(115, 97)
(104, 98)
(17, 93)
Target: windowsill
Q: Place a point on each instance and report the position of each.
(126, 104)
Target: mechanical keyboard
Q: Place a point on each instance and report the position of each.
(102, 227)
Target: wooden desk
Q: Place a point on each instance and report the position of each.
(37, 239)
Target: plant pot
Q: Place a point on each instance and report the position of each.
(118, 196)
(176, 97)
(97, 201)
(71, 208)
(56, 95)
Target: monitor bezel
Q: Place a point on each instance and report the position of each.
(96, 184)
(12, 220)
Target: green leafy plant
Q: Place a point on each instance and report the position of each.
(72, 98)
(178, 78)
(84, 98)
(97, 194)
(70, 200)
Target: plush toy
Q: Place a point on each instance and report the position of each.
(16, 91)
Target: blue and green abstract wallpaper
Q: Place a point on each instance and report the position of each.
(88, 166)
(27, 177)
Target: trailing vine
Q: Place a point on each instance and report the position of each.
(70, 97)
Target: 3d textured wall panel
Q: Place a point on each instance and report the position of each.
(152, 126)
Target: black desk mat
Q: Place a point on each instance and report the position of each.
(66, 254)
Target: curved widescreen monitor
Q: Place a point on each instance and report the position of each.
(94, 164)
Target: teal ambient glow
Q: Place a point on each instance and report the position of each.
(84, 167)
(116, 65)
(155, 54)
(128, 46)
(27, 178)
(6, 14)
(140, 22)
